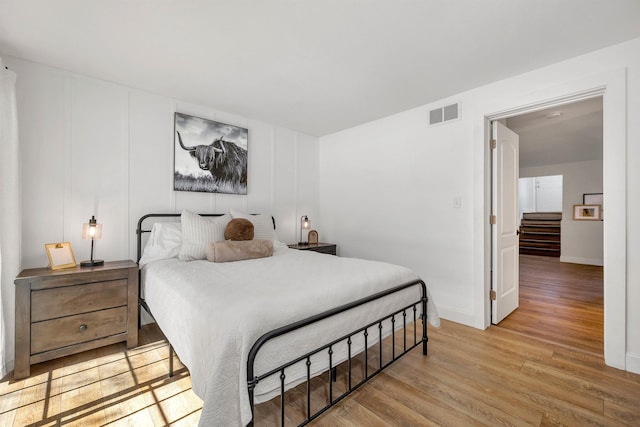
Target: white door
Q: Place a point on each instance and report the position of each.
(505, 250)
(549, 193)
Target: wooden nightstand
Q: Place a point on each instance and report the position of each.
(324, 248)
(67, 311)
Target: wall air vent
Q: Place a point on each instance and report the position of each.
(444, 114)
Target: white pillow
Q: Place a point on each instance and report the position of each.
(164, 242)
(262, 225)
(198, 232)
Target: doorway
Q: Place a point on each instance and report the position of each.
(560, 140)
(612, 86)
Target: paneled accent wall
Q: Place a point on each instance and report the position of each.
(90, 147)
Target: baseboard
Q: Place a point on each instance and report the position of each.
(578, 260)
(455, 315)
(633, 363)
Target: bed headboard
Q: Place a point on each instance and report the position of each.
(140, 230)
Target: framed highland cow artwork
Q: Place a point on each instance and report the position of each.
(209, 156)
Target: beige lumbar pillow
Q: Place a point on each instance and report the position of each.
(231, 250)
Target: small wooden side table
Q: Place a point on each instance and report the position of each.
(68, 311)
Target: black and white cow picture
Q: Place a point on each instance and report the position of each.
(209, 156)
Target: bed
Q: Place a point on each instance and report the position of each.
(250, 330)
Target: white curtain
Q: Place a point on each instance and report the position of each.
(10, 226)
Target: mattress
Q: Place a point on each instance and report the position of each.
(212, 313)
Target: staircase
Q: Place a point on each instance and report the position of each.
(540, 233)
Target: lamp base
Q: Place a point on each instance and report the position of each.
(92, 263)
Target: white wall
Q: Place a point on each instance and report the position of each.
(526, 195)
(549, 193)
(387, 189)
(539, 194)
(387, 192)
(90, 147)
(582, 241)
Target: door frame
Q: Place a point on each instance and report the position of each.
(611, 86)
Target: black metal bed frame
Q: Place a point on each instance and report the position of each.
(253, 379)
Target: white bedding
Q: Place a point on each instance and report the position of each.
(213, 313)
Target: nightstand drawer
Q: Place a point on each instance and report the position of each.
(56, 333)
(59, 302)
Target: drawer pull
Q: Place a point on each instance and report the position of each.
(83, 328)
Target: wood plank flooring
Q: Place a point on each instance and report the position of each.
(560, 302)
(470, 378)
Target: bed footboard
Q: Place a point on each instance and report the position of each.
(409, 339)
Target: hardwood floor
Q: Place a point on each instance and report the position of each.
(106, 386)
(560, 302)
(470, 378)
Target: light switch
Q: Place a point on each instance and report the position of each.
(457, 202)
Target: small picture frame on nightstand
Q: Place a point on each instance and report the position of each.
(60, 255)
(313, 237)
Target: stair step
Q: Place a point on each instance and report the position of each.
(540, 230)
(529, 223)
(539, 252)
(539, 248)
(541, 245)
(544, 216)
(539, 238)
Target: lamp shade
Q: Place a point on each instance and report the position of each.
(92, 230)
(305, 224)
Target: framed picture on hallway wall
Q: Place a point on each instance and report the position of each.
(594, 199)
(587, 212)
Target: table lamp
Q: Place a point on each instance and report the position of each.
(92, 231)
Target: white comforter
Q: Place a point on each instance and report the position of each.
(212, 313)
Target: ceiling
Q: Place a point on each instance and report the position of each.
(312, 66)
(561, 134)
